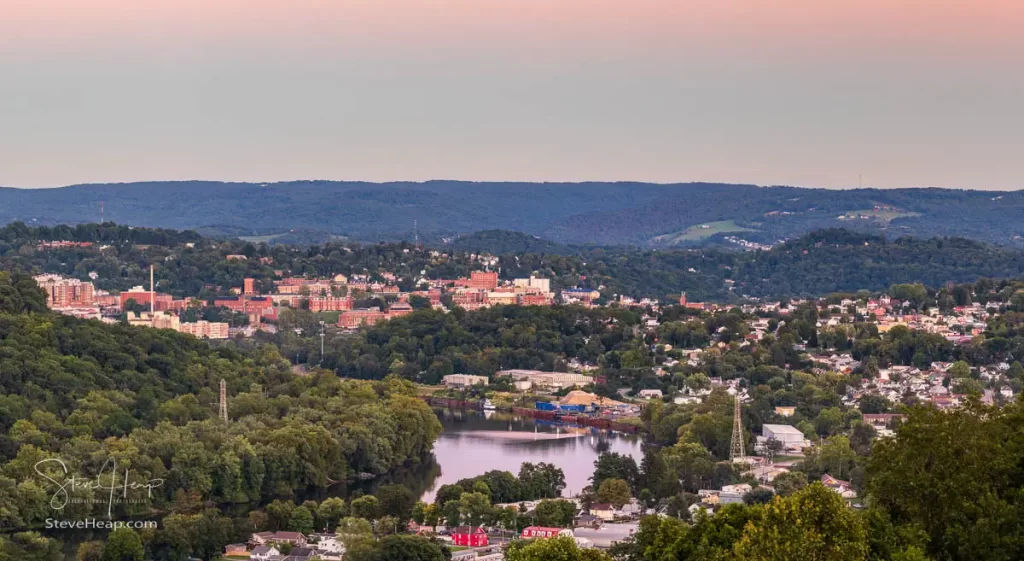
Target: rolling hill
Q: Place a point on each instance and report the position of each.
(642, 214)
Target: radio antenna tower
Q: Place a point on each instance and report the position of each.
(223, 400)
(416, 231)
(101, 212)
(736, 450)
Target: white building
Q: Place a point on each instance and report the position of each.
(464, 380)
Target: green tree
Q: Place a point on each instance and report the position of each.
(330, 512)
(789, 482)
(90, 551)
(612, 465)
(541, 481)
(960, 369)
(552, 549)
(555, 513)
(352, 531)
(811, 525)
(301, 520)
(396, 500)
(400, 547)
(614, 492)
(367, 507)
(473, 507)
(123, 544)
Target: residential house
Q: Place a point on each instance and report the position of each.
(649, 394)
(588, 521)
(604, 511)
(263, 552)
(469, 536)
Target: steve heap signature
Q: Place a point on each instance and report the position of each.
(108, 479)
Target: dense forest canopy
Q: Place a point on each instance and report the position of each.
(86, 392)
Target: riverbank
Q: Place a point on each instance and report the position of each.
(580, 420)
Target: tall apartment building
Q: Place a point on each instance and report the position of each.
(206, 329)
(66, 293)
(483, 280)
(533, 284)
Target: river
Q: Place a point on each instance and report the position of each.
(472, 443)
(475, 442)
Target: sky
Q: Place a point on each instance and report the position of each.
(818, 93)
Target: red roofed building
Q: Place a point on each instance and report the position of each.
(531, 532)
(469, 536)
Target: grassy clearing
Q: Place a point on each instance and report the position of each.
(699, 232)
(260, 239)
(887, 215)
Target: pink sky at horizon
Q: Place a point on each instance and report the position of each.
(784, 91)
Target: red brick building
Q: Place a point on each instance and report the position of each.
(358, 318)
(534, 300)
(469, 536)
(161, 302)
(471, 299)
(246, 304)
(483, 280)
(66, 293)
(329, 304)
(249, 286)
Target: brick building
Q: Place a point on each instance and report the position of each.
(483, 280)
(161, 302)
(66, 293)
(246, 304)
(206, 329)
(327, 304)
(358, 318)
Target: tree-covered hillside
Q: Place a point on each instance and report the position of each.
(85, 392)
(818, 263)
(580, 213)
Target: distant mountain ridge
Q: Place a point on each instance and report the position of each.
(594, 213)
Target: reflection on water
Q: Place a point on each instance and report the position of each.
(471, 444)
(475, 442)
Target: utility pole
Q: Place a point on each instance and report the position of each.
(152, 298)
(736, 450)
(322, 328)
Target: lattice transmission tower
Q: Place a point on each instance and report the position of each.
(736, 450)
(223, 401)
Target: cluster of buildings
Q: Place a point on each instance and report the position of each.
(288, 546)
(483, 289)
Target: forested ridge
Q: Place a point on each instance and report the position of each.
(604, 213)
(816, 264)
(86, 392)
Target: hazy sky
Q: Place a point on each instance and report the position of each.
(799, 92)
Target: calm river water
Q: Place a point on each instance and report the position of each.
(475, 442)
